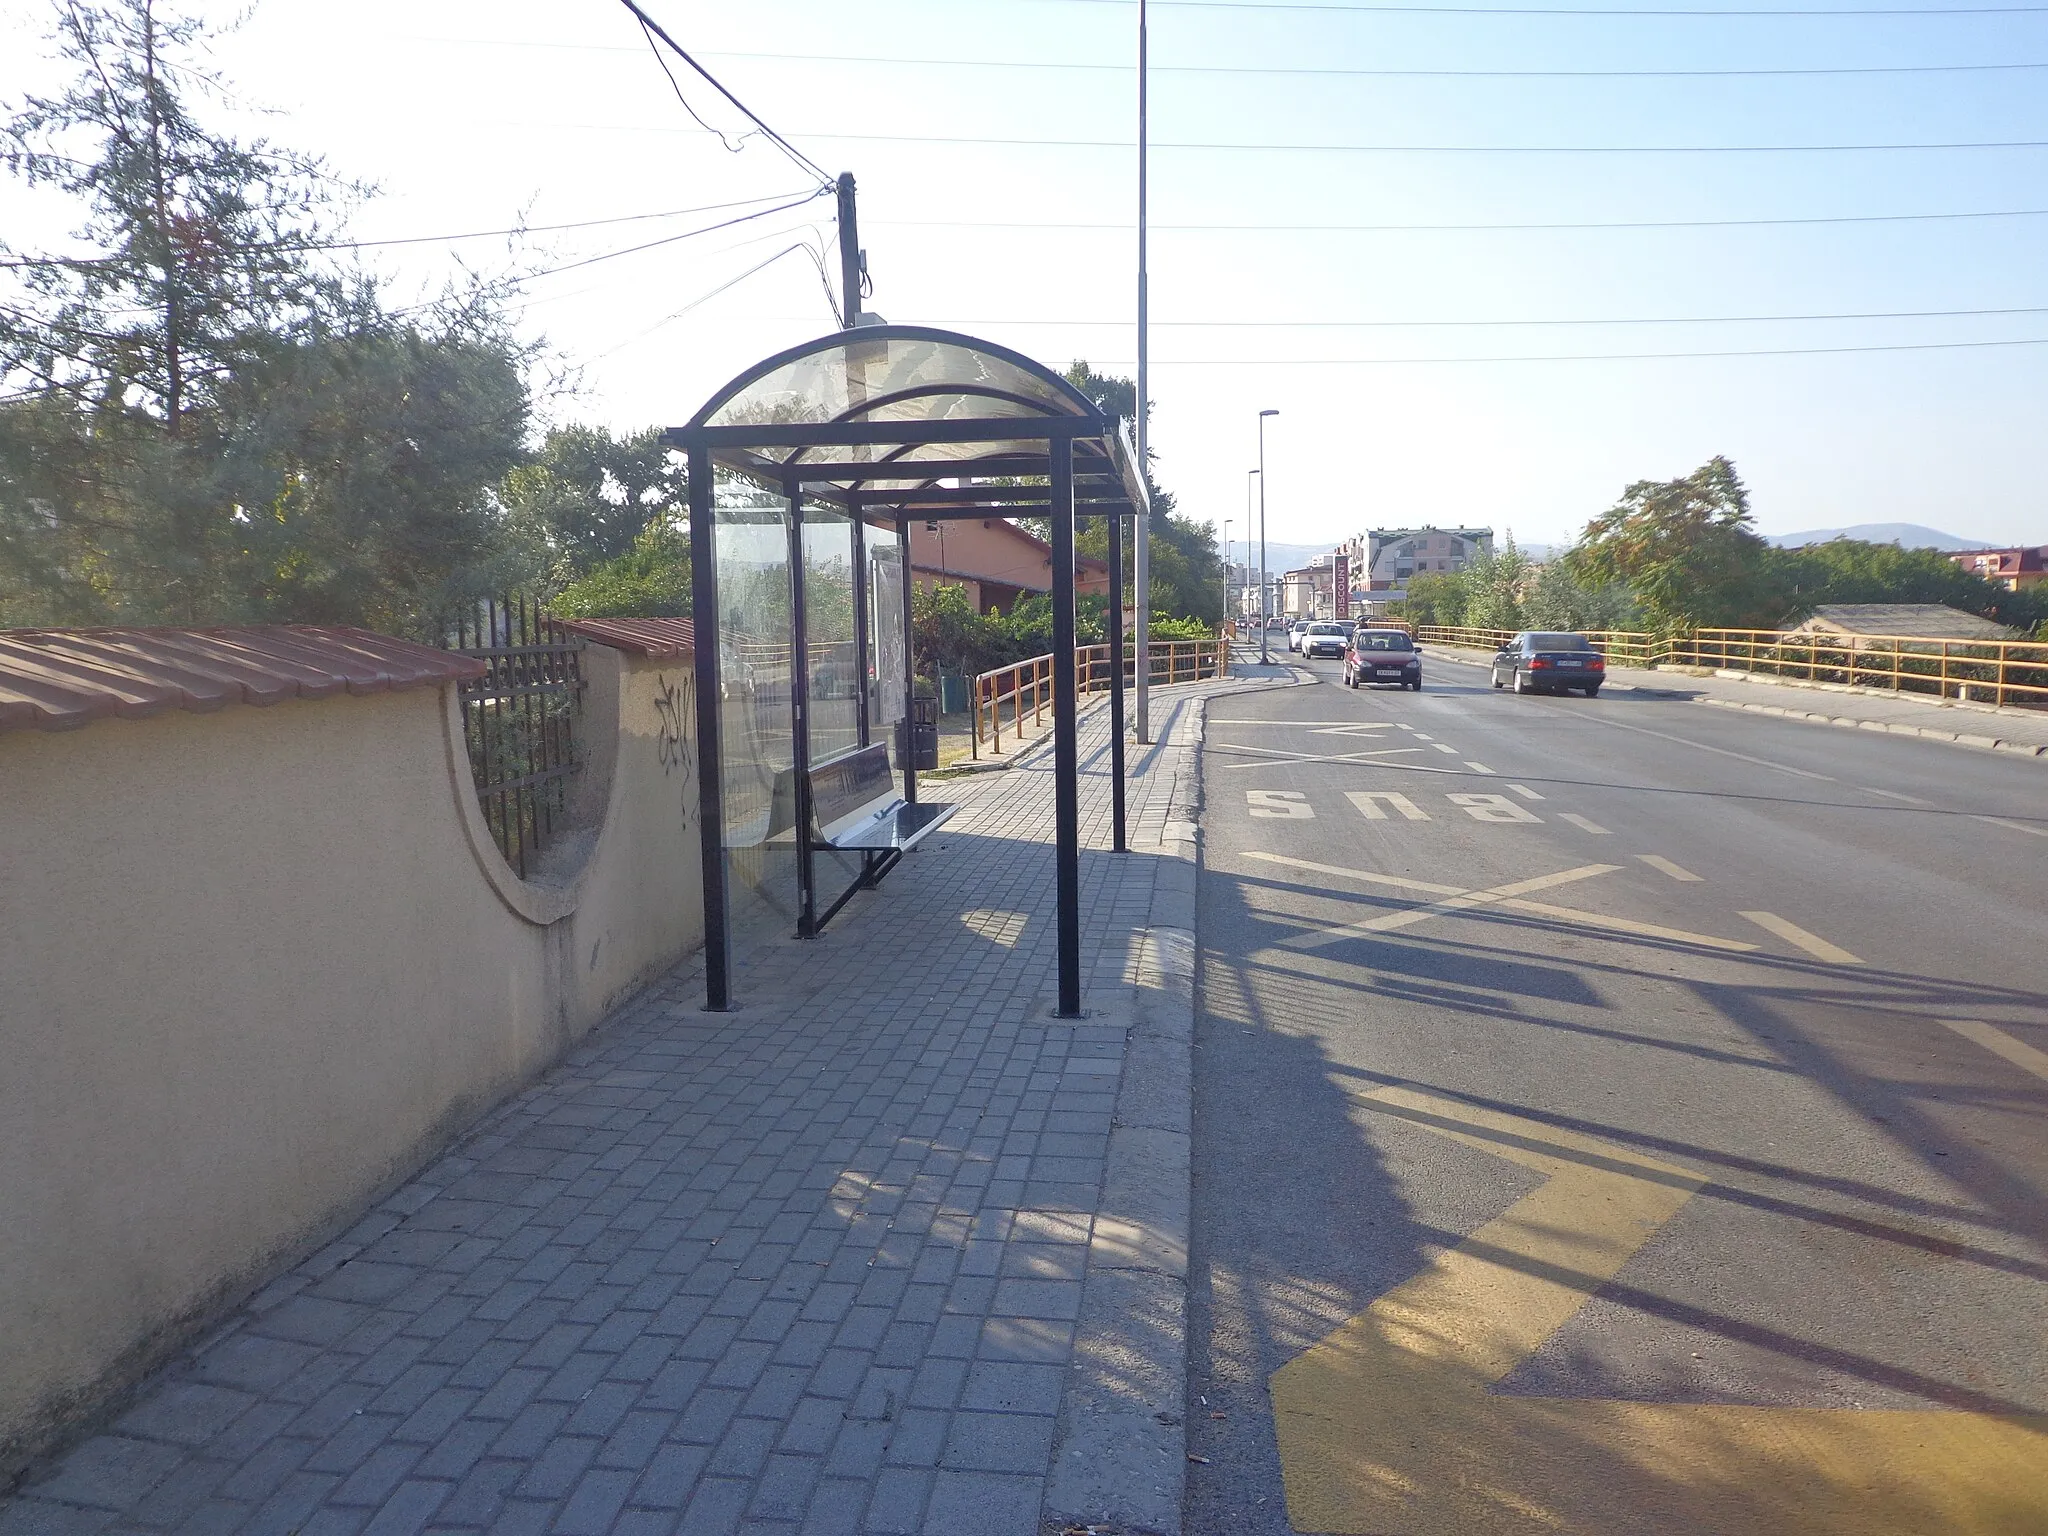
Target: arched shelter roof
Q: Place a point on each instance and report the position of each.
(897, 418)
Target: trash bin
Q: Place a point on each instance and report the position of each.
(917, 739)
(952, 693)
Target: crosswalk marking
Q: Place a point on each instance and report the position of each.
(1369, 808)
(1658, 862)
(1812, 943)
(1583, 824)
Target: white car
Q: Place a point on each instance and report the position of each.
(1326, 638)
(1294, 633)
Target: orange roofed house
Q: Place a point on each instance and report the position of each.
(2014, 569)
(995, 560)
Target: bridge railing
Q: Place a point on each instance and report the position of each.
(1025, 687)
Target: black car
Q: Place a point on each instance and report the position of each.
(1383, 656)
(1540, 661)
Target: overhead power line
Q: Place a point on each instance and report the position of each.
(1350, 325)
(649, 24)
(1291, 71)
(1569, 357)
(1438, 149)
(1353, 229)
(1517, 10)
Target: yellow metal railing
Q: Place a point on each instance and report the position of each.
(1989, 671)
(1026, 686)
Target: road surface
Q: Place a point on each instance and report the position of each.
(1615, 1115)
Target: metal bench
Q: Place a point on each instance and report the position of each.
(855, 807)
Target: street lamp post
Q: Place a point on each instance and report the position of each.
(1226, 572)
(1265, 601)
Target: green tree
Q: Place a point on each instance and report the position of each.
(1557, 599)
(586, 497)
(203, 421)
(1687, 551)
(1436, 598)
(651, 580)
(1186, 569)
(1494, 580)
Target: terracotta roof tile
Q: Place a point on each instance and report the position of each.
(55, 679)
(644, 637)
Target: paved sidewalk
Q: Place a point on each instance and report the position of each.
(1964, 724)
(813, 1266)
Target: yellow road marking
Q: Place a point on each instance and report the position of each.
(1631, 926)
(2018, 1052)
(1812, 943)
(1400, 882)
(1660, 863)
(1388, 1427)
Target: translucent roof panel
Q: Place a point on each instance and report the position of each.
(908, 372)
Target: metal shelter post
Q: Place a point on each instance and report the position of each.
(863, 594)
(909, 669)
(1066, 755)
(710, 737)
(1116, 681)
(800, 720)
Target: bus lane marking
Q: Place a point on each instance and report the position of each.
(1665, 866)
(1282, 804)
(2018, 1052)
(1583, 824)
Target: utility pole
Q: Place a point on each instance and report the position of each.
(1265, 602)
(850, 258)
(1226, 571)
(1141, 553)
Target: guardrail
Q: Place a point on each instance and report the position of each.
(1026, 686)
(1990, 671)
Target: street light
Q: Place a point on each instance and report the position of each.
(1249, 476)
(1265, 603)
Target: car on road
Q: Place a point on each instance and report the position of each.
(1326, 637)
(1294, 633)
(1547, 661)
(1383, 656)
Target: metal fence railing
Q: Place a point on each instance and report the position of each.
(1989, 671)
(1025, 687)
(520, 720)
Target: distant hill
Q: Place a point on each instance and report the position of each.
(1906, 535)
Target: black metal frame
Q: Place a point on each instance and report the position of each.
(1087, 470)
(519, 720)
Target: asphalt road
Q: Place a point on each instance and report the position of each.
(1656, 1143)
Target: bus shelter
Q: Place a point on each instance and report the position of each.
(805, 474)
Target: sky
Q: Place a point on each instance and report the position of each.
(1345, 204)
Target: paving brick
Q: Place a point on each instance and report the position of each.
(713, 1272)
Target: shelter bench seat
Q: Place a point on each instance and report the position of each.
(855, 807)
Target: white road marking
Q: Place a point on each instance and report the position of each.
(1356, 728)
(1701, 746)
(1399, 882)
(1525, 791)
(1368, 805)
(1812, 943)
(1582, 824)
(1407, 727)
(1441, 747)
(2012, 826)
(1288, 723)
(1892, 795)
(2018, 1052)
(1283, 804)
(1658, 862)
(1356, 759)
(1493, 808)
(1477, 767)
(1420, 737)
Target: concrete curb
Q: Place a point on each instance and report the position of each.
(1120, 1453)
(1891, 727)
